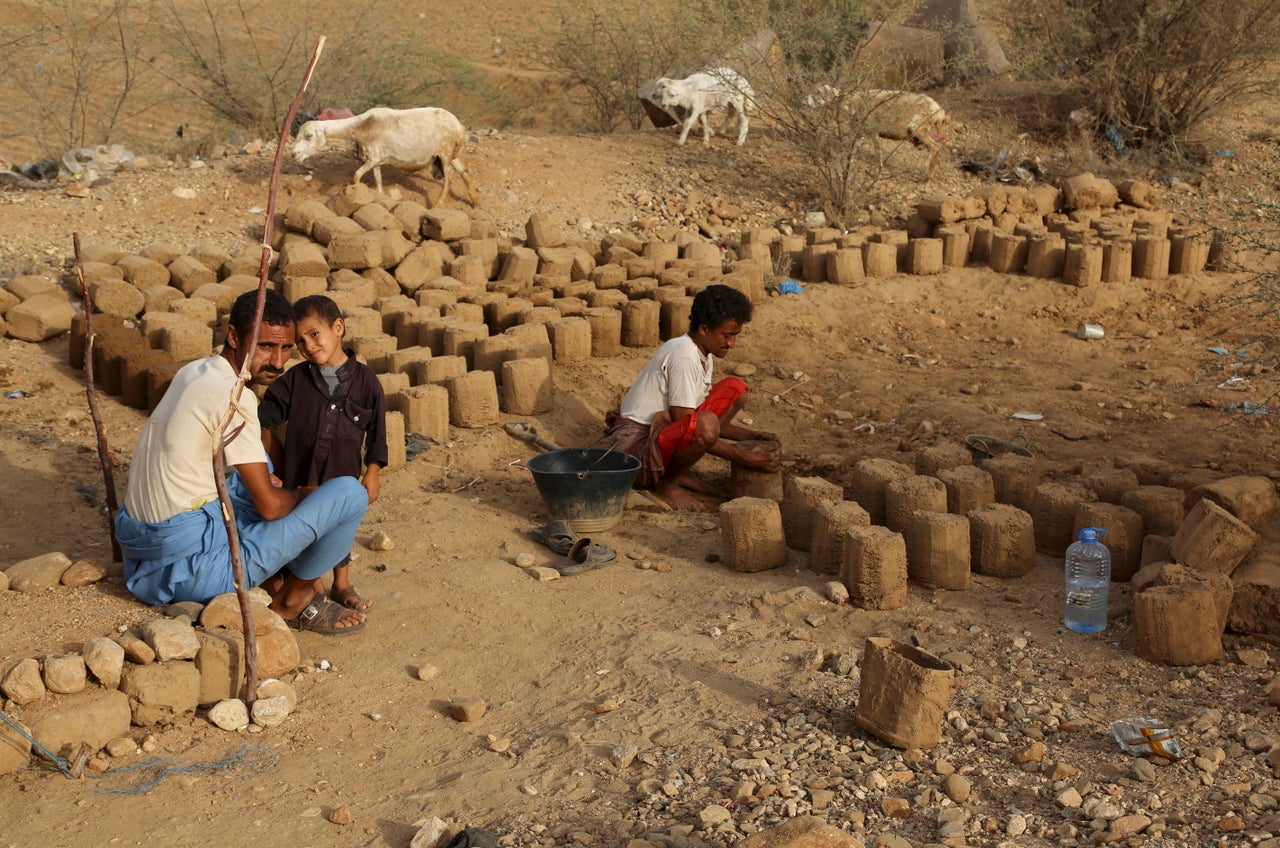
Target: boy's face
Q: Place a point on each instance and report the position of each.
(321, 342)
(720, 340)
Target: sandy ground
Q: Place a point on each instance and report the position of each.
(693, 656)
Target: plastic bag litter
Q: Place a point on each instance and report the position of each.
(90, 163)
(1140, 736)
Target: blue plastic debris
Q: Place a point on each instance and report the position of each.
(1225, 154)
(17, 394)
(1221, 351)
(1248, 407)
(1116, 136)
(790, 286)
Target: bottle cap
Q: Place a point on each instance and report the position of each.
(1092, 534)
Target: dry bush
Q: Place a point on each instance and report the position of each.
(1153, 70)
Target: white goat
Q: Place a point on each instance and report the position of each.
(893, 115)
(700, 93)
(409, 139)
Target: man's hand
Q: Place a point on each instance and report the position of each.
(758, 460)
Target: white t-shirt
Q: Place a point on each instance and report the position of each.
(172, 466)
(677, 375)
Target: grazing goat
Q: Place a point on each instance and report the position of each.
(893, 115)
(409, 139)
(700, 93)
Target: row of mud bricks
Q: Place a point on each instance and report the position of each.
(460, 322)
(1200, 554)
(1086, 232)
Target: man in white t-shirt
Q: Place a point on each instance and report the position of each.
(674, 414)
(170, 527)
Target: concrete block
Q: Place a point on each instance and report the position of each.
(1212, 539)
(473, 399)
(875, 567)
(751, 535)
(938, 550)
(800, 497)
(1002, 541)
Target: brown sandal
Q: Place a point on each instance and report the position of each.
(321, 615)
(350, 598)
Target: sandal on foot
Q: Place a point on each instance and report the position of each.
(558, 536)
(350, 598)
(321, 615)
(585, 556)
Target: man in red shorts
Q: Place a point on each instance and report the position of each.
(673, 414)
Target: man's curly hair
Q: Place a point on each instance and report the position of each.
(717, 304)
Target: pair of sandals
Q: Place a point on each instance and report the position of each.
(579, 552)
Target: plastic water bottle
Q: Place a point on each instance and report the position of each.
(1088, 581)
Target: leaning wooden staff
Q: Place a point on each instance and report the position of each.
(220, 437)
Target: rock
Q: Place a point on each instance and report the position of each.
(279, 689)
(1068, 797)
(190, 610)
(22, 682)
(270, 712)
(622, 755)
(801, 832)
(135, 650)
(380, 541)
(229, 714)
(895, 808)
(432, 834)
(104, 659)
(83, 572)
(171, 639)
(1033, 753)
(65, 673)
(820, 799)
(121, 746)
(1253, 657)
(956, 787)
(342, 815)
(1142, 770)
(278, 651)
(428, 673)
(38, 573)
(15, 750)
(524, 559)
(1129, 825)
(4, 582)
(468, 709)
(499, 745)
(159, 693)
(714, 814)
(93, 717)
(836, 592)
(543, 574)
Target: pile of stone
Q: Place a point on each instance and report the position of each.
(1194, 549)
(84, 705)
(1086, 232)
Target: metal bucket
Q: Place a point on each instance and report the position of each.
(586, 487)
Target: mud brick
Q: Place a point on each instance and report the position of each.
(1154, 549)
(1002, 541)
(438, 369)
(606, 331)
(1111, 484)
(410, 214)
(1046, 255)
(489, 353)
(875, 567)
(135, 369)
(300, 259)
(241, 283)
(353, 291)
(503, 314)
(924, 256)
(1124, 535)
(375, 216)
(801, 496)
(934, 458)
(608, 276)
(30, 285)
(1253, 500)
(326, 229)
(187, 341)
(554, 262)
(351, 197)
(1150, 470)
(1177, 623)
(640, 323)
(955, 245)
(1117, 261)
(106, 254)
(539, 315)
(219, 294)
(392, 383)
(1086, 190)
(663, 253)
(407, 360)
(1083, 265)
(639, 288)
(1255, 596)
(485, 249)
(909, 495)
(844, 267)
(1212, 539)
(881, 259)
(473, 399)
(159, 376)
(41, 317)
(527, 388)
(570, 340)
(197, 309)
(917, 227)
(425, 410)
(1054, 510)
(968, 488)
(373, 350)
(460, 340)
(1151, 257)
(186, 274)
(301, 217)
(79, 329)
(154, 324)
(870, 476)
(471, 272)
(938, 550)
(439, 298)
(980, 237)
(143, 272)
(117, 297)
(392, 307)
(295, 288)
(830, 521)
(994, 196)
(751, 535)
(108, 355)
(355, 250)
(813, 261)
(940, 209)
(397, 456)
(1008, 253)
(447, 225)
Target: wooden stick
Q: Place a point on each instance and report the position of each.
(104, 452)
(219, 442)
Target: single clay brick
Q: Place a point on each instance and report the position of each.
(438, 369)
(41, 317)
(881, 260)
(1177, 625)
(1161, 508)
(1014, 479)
(606, 331)
(79, 331)
(473, 399)
(911, 494)
(1212, 539)
(460, 340)
(1008, 253)
(1253, 500)
(1111, 484)
(1002, 541)
(1151, 257)
(938, 550)
(527, 388)
(1053, 509)
(968, 487)
(870, 476)
(751, 535)
(1083, 265)
(801, 495)
(932, 459)
(1124, 534)
(425, 410)
(674, 320)
(875, 567)
(1255, 597)
(830, 521)
(397, 455)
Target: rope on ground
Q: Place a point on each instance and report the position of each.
(255, 758)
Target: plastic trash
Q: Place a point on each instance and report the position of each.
(790, 286)
(1140, 736)
(1028, 416)
(1221, 351)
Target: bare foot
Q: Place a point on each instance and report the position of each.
(678, 497)
(691, 481)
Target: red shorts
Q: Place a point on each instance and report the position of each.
(678, 434)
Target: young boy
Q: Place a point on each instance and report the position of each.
(332, 406)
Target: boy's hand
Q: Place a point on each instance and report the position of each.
(372, 484)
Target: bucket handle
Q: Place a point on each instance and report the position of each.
(582, 475)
